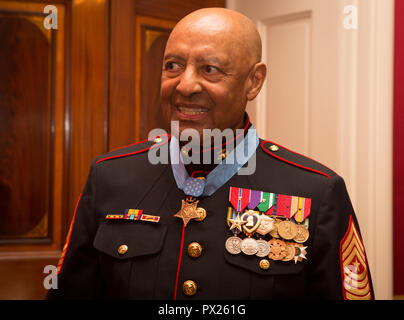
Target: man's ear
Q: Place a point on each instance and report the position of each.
(256, 80)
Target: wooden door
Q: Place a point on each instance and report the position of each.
(68, 95)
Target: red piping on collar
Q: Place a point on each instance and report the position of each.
(139, 151)
(292, 163)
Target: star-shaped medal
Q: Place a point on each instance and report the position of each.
(300, 252)
(188, 211)
(237, 223)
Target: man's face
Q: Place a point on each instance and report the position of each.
(204, 80)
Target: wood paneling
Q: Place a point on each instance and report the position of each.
(173, 9)
(32, 98)
(88, 110)
(152, 35)
(25, 137)
(122, 73)
(88, 87)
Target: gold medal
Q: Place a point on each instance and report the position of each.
(274, 233)
(277, 249)
(302, 234)
(287, 230)
(290, 251)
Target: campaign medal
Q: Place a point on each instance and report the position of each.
(249, 246)
(302, 234)
(277, 249)
(300, 252)
(233, 245)
(290, 251)
(188, 210)
(274, 233)
(287, 230)
(263, 248)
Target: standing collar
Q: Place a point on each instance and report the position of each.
(226, 169)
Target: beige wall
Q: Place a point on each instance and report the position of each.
(329, 95)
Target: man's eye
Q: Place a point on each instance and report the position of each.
(211, 69)
(171, 66)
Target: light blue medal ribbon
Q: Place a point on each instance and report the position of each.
(220, 175)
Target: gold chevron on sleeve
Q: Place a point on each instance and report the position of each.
(354, 270)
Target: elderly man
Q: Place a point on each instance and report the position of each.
(245, 219)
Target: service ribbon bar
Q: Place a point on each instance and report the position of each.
(272, 204)
(133, 214)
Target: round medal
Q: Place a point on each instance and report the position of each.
(287, 230)
(274, 232)
(290, 251)
(249, 246)
(263, 248)
(277, 249)
(302, 234)
(233, 245)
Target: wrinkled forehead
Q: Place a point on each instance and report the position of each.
(208, 38)
(223, 30)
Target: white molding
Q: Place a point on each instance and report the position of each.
(365, 131)
(364, 112)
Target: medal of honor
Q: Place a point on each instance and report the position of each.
(188, 211)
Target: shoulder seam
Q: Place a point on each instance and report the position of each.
(139, 151)
(290, 162)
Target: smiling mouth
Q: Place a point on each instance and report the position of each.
(191, 111)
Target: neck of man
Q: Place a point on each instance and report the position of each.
(202, 159)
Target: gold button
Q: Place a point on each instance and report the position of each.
(194, 250)
(222, 155)
(122, 249)
(157, 140)
(274, 148)
(189, 288)
(202, 214)
(264, 264)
